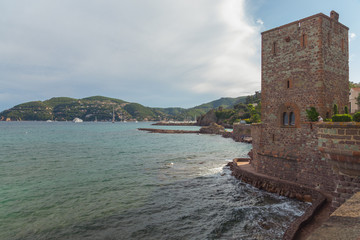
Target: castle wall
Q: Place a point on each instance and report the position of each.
(304, 64)
(291, 154)
(329, 159)
(290, 54)
(339, 144)
(335, 50)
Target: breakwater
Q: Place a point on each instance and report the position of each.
(154, 130)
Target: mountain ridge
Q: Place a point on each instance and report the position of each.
(101, 108)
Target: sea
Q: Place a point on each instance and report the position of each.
(103, 180)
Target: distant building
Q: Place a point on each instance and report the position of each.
(354, 93)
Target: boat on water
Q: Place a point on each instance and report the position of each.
(77, 120)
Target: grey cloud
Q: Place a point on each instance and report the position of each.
(127, 48)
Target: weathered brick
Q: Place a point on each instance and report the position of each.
(341, 131)
(294, 74)
(352, 132)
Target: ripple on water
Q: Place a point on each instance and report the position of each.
(109, 181)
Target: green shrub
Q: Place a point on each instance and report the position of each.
(255, 118)
(247, 120)
(335, 109)
(312, 114)
(246, 115)
(327, 120)
(341, 118)
(356, 117)
(224, 114)
(346, 110)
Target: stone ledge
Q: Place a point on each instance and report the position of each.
(338, 125)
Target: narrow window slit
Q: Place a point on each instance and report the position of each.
(285, 119)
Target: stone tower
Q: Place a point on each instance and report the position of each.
(304, 64)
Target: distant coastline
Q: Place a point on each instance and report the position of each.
(99, 108)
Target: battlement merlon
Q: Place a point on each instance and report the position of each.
(334, 16)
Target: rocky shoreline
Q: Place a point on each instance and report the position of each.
(174, 124)
(212, 129)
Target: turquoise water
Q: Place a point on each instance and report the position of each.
(63, 180)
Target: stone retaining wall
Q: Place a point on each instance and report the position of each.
(326, 156)
(339, 144)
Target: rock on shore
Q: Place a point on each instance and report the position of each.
(213, 129)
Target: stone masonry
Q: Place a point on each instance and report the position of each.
(339, 144)
(304, 64)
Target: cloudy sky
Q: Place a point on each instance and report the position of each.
(160, 53)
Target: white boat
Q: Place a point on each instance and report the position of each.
(49, 120)
(77, 120)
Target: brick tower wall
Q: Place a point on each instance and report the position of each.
(288, 59)
(336, 64)
(300, 69)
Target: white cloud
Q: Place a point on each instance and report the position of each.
(259, 21)
(235, 69)
(352, 36)
(118, 47)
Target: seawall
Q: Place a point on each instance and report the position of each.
(153, 130)
(322, 156)
(339, 145)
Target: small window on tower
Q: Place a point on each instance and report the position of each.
(274, 48)
(289, 83)
(285, 119)
(303, 40)
(292, 119)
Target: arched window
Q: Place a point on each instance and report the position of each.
(292, 119)
(285, 119)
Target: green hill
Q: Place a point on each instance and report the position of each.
(101, 108)
(194, 112)
(222, 102)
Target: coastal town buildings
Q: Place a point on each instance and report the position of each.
(354, 93)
